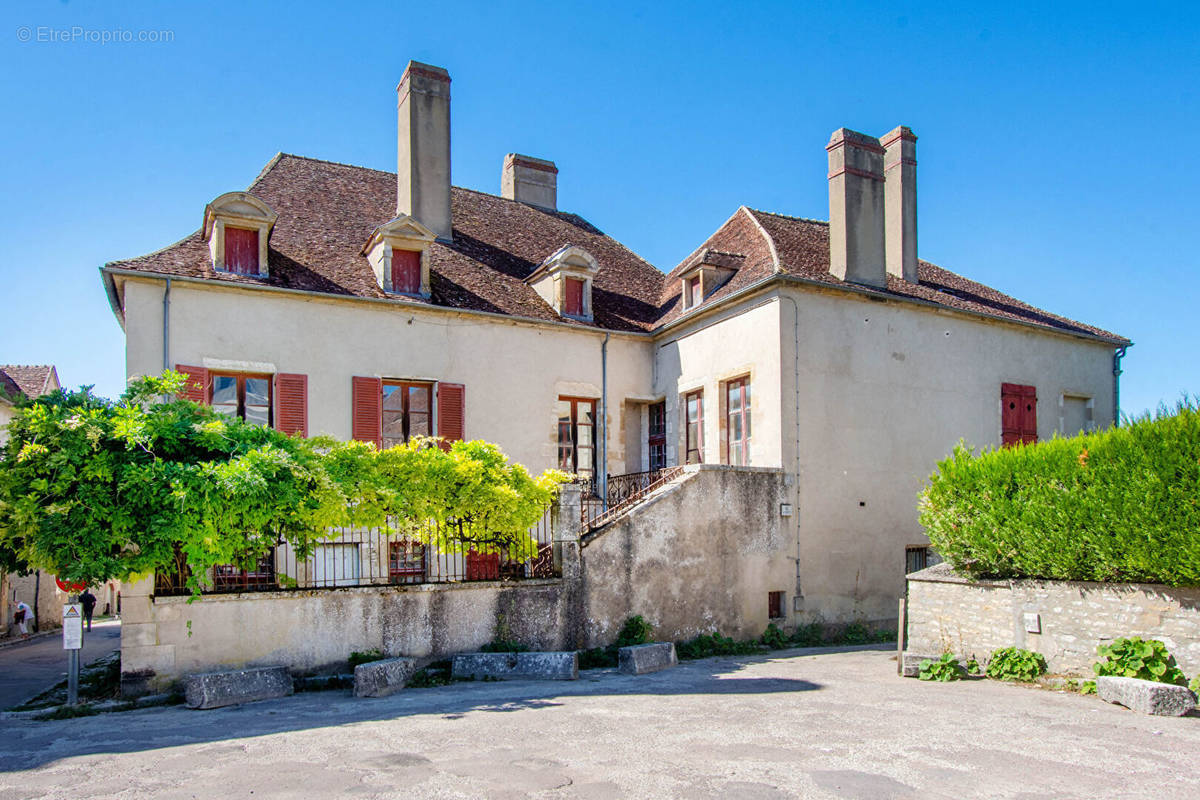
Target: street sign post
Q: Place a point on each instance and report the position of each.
(72, 642)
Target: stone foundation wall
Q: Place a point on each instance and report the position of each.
(947, 612)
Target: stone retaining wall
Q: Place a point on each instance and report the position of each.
(947, 612)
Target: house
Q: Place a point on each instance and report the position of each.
(335, 299)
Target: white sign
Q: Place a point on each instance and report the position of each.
(72, 626)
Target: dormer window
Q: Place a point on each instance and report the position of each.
(693, 294)
(237, 226)
(564, 281)
(399, 255)
(406, 271)
(705, 274)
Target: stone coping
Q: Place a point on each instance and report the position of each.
(382, 588)
(944, 573)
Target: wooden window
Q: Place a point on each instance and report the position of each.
(1018, 414)
(737, 422)
(247, 397)
(451, 421)
(336, 564)
(365, 417)
(918, 558)
(291, 403)
(406, 561)
(775, 605)
(574, 297)
(407, 411)
(406, 271)
(692, 295)
(241, 251)
(577, 436)
(693, 409)
(196, 388)
(657, 440)
(232, 577)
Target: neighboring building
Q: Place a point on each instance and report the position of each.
(336, 299)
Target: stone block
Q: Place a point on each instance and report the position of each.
(381, 678)
(910, 664)
(642, 658)
(549, 666)
(217, 689)
(1148, 697)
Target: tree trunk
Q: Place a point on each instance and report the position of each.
(37, 591)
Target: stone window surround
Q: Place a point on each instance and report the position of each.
(723, 412)
(237, 210)
(549, 279)
(401, 233)
(711, 278)
(1089, 418)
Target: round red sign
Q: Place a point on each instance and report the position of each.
(70, 588)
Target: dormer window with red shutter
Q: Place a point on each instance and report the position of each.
(237, 226)
(704, 274)
(564, 281)
(399, 255)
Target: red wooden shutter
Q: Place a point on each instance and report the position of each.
(196, 388)
(291, 403)
(406, 271)
(366, 412)
(574, 296)
(241, 251)
(451, 425)
(1018, 413)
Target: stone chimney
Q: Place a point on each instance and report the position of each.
(423, 160)
(529, 180)
(856, 189)
(900, 202)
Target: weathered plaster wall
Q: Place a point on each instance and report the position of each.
(699, 556)
(6, 414)
(949, 613)
(876, 393)
(23, 587)
(513, 372)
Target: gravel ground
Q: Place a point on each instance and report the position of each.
(795, 724)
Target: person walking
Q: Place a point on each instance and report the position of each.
(21, 617)
(89, 605)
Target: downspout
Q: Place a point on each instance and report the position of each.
(602, 477)
(166, 333)
(796, 385)
(1118, 354)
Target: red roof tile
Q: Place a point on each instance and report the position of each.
(33, 380)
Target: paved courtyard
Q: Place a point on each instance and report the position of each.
(831, 725)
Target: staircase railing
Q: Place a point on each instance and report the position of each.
(623, 491)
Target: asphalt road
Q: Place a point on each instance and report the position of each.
(839, 725)
(29, 668)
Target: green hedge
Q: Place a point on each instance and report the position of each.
(1118, 505)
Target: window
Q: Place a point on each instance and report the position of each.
(692, 295)
(230, 577)
(336, 565)
(737, 422)
(574, 297)
(657, 440)
(241, 251)
(406, 271)
(246, 397)
(693, 409)
(775, 605)
(407, 411)
(1018, 414)
(406, 561)
(918, 558)
(577, 436)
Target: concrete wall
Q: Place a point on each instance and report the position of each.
(513, 372)
(874, 394)
(948, 613)
(699, 556)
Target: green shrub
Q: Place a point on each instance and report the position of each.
(1015, 664)
(1116, 505)
(635, 631)
(1195, 685)
(973, 666)
(713, 644)
(943, 669)
(599, 658)
(1147, 659)
(774, 638)
(364, 657)
(809, 635)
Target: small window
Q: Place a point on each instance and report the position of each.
(406, 271)
(737, 422)
(407, 411)
(692, 295)
(577, 436)
(259, 577)
(406, 561)
(694, 428)
(246, 397)
(657, 440)
(775, 605)
(574, 297)
(241, 251)
(1018, 414)
(919, 558)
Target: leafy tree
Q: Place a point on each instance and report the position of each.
(92, 489)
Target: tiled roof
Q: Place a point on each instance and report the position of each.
(327, 212)
(34, 380)
(9, 390)
(800, 247)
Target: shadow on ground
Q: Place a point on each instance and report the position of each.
(28, 744)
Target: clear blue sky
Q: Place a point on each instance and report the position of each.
(1057, 142)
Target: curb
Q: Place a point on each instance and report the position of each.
(17, 640)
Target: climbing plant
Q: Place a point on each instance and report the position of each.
(93, 489)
